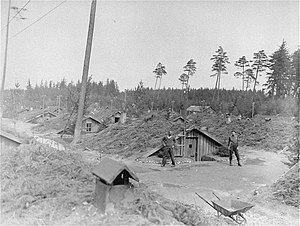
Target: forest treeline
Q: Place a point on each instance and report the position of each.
(278, 96)
(141, 99)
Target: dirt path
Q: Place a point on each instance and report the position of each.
(259, 169)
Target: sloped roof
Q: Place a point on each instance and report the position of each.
(206, 134)
(41, 114)
(194, 108)
(108, 169)
(180, 118)
(202, 132)
(100, 115)
(152, 151)
(93, 118)
(177, 118)
(10, 137)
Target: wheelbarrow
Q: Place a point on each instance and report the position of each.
(231, 208)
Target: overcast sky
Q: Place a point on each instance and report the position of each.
(131, 37)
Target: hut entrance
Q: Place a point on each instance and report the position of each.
(191, 147)
(122, 178)
(117, 119)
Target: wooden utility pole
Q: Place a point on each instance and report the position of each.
(77, 132)
(172, 105)
(59, 103)
(43, 107)
(5, 62)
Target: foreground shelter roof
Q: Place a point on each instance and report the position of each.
(10, 137)
(108, 169)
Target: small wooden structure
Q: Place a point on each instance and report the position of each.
(197, 144)
(92, 125)
(196, 109)
(8, 140)
(112, 183)
(99, 121)
(179, 119)
(115, 117)
(44, 116)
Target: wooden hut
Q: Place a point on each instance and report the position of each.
(197, 144)
(41, 117)
(115, 117)
(197, 109)
(112, 183)
(92, 125)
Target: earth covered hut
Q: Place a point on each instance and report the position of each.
(91, 124)
(195, 145)
(198, 109)
(41, 117)
(112, 183)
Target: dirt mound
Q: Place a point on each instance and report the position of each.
(133, 137)
(38, 180)
(272, 133)
(55, 124)
(286, 189)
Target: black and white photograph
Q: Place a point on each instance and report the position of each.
(119, 112)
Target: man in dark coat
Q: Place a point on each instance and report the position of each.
(232, 146)
(168, 149)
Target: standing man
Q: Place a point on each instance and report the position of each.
(168, 147)
(232, 146)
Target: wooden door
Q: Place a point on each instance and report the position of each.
(191, 147)
(179, 148)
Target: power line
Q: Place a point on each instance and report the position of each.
(39, 19)
(16, 14)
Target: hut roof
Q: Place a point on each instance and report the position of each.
(152, 151)
(40, 114)
(10, 137)
(100, 115)
(92, 118)
(207, 135)
(198, 108)
(108, 169)
(178, 118)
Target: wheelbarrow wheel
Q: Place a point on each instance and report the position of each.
(240, 219)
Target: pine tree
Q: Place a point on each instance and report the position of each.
(249, 78)
(260, 63)
(159, 71)
(279, 81)
(241, 63)
(190, 68)
(219, 66)
(296, 73)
